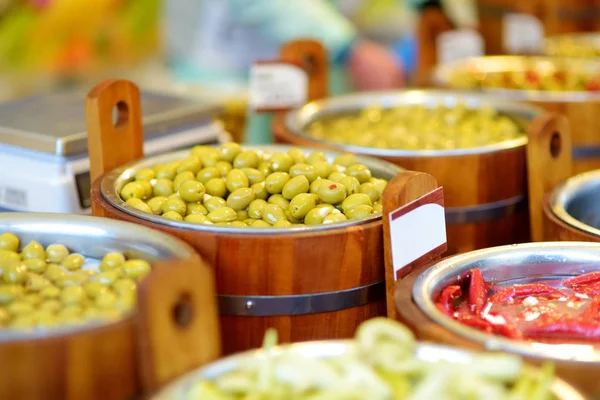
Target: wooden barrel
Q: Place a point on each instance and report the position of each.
(485, 188)
(175, 328)
(416, 309)
(582, 109)
(572, 210)
(318, 283)
(555, 16)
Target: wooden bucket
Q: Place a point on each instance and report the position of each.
(572, 210)
(582, 109)
(485, 188)
(175, 328)
(414, 292)
(318, 283)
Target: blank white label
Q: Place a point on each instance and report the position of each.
(523, 33)
(277, 86)
(416, 233)
(458, 44)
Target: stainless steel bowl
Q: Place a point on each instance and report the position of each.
(297, 120)
(328, 349)
(511, 263)
(92, 237)
(576, 202)
(112, 183)
(442, 75)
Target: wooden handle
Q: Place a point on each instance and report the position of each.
(177, 321)
(313, 56)
(433, 21)
(404, 188)
(549, 162)
(113, 143)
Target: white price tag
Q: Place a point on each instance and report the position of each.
(417, 229)
(458, 44)
(277, 86)
(523, 33)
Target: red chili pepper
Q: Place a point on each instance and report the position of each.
(447, 297)
(566, 328)
(546, 313)
(592, 313)
(590, 290)
(592, 86)
(478, 293)
(517, 291)
(532, 77)
(581, 280)
(476, 322)
(507, 328)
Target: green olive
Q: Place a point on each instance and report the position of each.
(264, 167)
(260, 190)
(254, 176)
(369, 189)
(210, 158)
(345, 160)
(282, 223)
(107, 277)
(35, 265)
(9, 242)
(93, 289)
(125, 285)
(301, 205)
(314, 186)
(315, 157)
(224, 167)
(133, 190)
(15, 273)
(334, 217)
(223, 214)
(195, 209)
(259, 223)
(175, 205)
(336, 176)
(296, 185)
(279, 200)
(54, 272)
(352, 184)
(237, 224)
(145, 174)
(192, 191)
(256, 207)
(168, 171)
(323, 169)
(173, 215)
(240, 199)
(182, 177)
(289, 217)
(157, 168)
(275, 182)
(354, 200)
(242, 215)
(73, 262)
(148, 190)
(135, 269)
(214, 203)
(50, 292)
(297, 155)
(23, 322)
(316, 215)
(377, 208)
(33, 250)
(33, 298)
(273, 213)
(106, 300)
(361, 211)
(201, 149)
(246, 159)
(73, 295)
(360, 172)
(4, 316)
(196, 219)
(50, 305)
(229, 151)
(36, 282)
(206, 174)
(332, 192)
(19, 307)
(139, 205)
(281, 162)
(162, 187)
(379, 185)
(71, 279)
(216, 187)
(156, 204)
(304, 169)
(111, 261)
(10, 292)
(236, 180)
(191, 164)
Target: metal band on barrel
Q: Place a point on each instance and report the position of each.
(585, 152)
(485, 212)
(301, 304)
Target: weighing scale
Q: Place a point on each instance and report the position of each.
(44, 165)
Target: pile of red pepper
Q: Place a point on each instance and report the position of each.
(505, 313)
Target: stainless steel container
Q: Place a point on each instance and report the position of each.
(329, 349)
(113, 182)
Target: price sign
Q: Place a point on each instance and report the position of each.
(277, 86)
(418, 231)
(523, 33)
(458, 44)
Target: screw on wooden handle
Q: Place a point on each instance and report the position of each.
(313, 57)
(111, 142)
(404, 188)
(177, 321)
(549, 162)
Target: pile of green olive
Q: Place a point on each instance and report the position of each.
(49, 287)
(417, 127)
(230, 186)
(574, 47)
